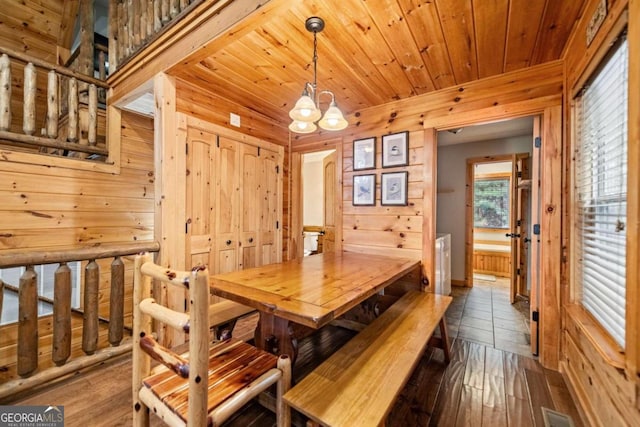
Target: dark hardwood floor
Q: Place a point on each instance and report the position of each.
(491, 380)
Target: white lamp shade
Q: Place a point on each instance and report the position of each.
(333, 119)
(305, 110)
(298, 126)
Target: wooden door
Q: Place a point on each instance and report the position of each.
(519, 222)
(268, 207)
(513, 226)
(534, 249)
(250, 209)
(200, 203)
(227, 191)
(329, 176)
(523, 204)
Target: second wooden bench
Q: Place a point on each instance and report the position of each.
(358, 384)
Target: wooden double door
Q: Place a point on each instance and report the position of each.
(233, 202)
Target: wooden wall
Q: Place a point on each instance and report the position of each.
(54, 208)
(212, 108)
(36, 27)
(401, 230)
(492, 262)
(605, 384)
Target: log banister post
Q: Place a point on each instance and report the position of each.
(5, 92)
(72, 135)
(29, 109)
(28, 322)
(90, 318)
(93, 115)
(52, 105)
(116, 302)
(61, 315)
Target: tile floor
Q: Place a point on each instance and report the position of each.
(483, 314)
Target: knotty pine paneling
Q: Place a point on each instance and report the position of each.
(53, 208)
(492, 262)
(609, 395)
(47, 208)
(32, 27)
(215, 109)
(396, 230)
(375, 226)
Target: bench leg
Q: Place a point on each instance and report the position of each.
(446, 347)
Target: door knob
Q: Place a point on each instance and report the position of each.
(250, 239)
(512, 235)
(228, 242)
(527, 240)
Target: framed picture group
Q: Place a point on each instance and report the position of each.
(393, 185)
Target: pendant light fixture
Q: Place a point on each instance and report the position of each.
(307, 112)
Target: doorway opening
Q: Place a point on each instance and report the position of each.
(318, 202)
(485, 202)
(498, 224)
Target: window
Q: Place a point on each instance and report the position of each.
(46, 273)
(491, 203)
(600, 193)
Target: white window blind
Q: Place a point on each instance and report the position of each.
(601, 193)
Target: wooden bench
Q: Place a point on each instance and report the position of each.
(358, 384)
(223, 316)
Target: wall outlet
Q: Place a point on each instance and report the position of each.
(234, 120)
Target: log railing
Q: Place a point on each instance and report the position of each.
(103, 59)
(134, 23)
(27, 327)
(77, 136)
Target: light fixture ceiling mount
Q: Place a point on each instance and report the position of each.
(306, 112)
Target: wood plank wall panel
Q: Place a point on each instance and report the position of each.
(397, 230)
(215, 109)
(54, 208)
(608, 395)
(58, 208)
(491, 28)
(490, 262)
(391, 229)
(522, 32)
(31, 27)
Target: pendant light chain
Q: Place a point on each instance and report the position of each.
(306, 112)
(315, 61)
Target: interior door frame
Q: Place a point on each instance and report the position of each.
(468, 254)
(550, 221)
(296, 243)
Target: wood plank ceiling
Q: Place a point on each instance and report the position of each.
(377, 51)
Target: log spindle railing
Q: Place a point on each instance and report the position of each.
(51, 137)
(90, 319)
(61, 315)
(27, 326)
(28, 322)
(116, 302)
(134, 24)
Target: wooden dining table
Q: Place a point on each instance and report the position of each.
(312, 292)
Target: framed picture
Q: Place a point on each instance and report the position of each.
(395, 150)
(394, 188)
(364, 190)
(364, 154)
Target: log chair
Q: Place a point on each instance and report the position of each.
(212, 382)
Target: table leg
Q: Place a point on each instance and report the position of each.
(276, 335)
